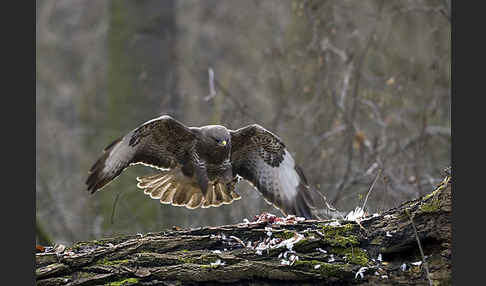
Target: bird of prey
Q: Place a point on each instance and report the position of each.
(200, 166)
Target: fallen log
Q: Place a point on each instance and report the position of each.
(409, 244)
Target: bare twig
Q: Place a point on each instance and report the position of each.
(332, 211)
(426, 267)
(344, 90)
(238, 240)
(350, 118)
(212, 91)
(327, 46)
(385, 190)
(371, 188)
(115, 202)
(240, 107)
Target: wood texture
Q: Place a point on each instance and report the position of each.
(382, 247)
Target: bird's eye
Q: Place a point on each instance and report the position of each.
(221, 142)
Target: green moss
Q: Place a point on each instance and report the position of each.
(123, 282)
(344, 241)
(207, 259)
(353, 255)
(432, 194)
(339, 235)
(304, 244)
(377, 240)
(432, 206)
(286, 234)
(405, 214)
(438, 190)
(308, 263)
(83, 244)
(186, 259)
(325, 269)
(205, 266)
(340, 229)
(431, 202)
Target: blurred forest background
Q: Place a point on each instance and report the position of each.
(354, 88)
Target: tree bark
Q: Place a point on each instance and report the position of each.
(375, 249)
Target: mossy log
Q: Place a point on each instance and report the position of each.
(376, 249)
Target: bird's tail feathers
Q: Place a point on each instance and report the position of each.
(171, 187)
(219, 194)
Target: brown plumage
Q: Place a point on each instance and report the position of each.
(200, 166)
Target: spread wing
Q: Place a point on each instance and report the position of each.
(261, 157)
(161, 143)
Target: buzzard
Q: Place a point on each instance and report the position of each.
(200, 166)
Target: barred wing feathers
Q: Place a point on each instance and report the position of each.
(260, 157)
(160, 143)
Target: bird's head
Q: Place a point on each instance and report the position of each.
(217, 135)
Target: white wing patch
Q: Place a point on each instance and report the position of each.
(122, 152)
(283, 179)
(288, 177)
(118, 157)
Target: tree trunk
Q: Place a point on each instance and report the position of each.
(376, 249)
